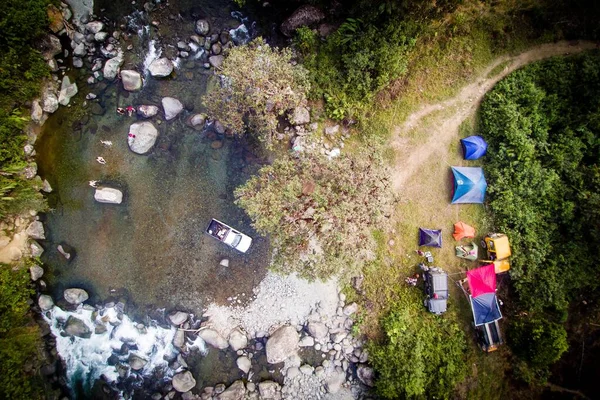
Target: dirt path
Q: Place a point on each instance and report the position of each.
(441, 132)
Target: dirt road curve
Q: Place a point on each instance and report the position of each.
(441, 132)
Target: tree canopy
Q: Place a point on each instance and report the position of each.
(318, 212)
(258, 85)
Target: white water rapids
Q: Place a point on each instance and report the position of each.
(86, 360)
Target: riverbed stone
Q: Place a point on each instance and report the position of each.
(216, 61)
(45, 302)
(179, 339)
(136, 362)
(94, 27)
(75, 295)
(108, 195)
(100, 36)
(350, 309)
(36, 272)
(318, 330)
(178, 318)
(68, 89)
(161, 67)
(197, 121)
(76, 327)
(79, 50)
(35, 230)
(61, 249)
(303, 16)
(244, 364)
(365, 374)
(172, 107)
(132, 80)
(37, 113)
(306, 341)
(268, 390)
(142, 136)
(147, 111)
(282, 344)
(213, 338)
(334, 381)
(111, 67)
(237, 340)
(183, 382)
(36, 249)
(202, 27)
(50, 46)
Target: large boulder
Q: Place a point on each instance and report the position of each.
(237, 391)
(147, 111)
(111, 68)
(178, 318)
(45, 302)
(161, 67)
(50, 46)
(237, 340)
(132, 80)
(202, 27)
(300, 116)
(76, 327)
(213, 338)
(75, 295)
(136, 362)
(172, 107)
(304, 15)
(108, 195)
(318, 330)
(142, 136)
(282, 344)
(67, 90)
(183, 382)
(49, 100)
(35, 230)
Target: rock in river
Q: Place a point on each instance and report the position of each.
(202, 27)
(147, 111)
(132, 80)
(213, 338)
(142, 136)
(161, 67)
(67, 90)
(75, 295)
(282, 344)
(178, 318)
(108, 195)
(76, 327)
(45, 302)
(111, 68)
(35, 230)
(172, 107)
(184, 382)
(36, 272)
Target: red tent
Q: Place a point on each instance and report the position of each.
(462, 230)
(482, 280)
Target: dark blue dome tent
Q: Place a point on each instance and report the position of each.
(474, 147)
(469, 185)
(430, 237)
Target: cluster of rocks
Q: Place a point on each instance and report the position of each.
(304, 135)
(343, 368)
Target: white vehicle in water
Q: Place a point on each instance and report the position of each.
(226, 234)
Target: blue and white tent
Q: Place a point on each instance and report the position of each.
(469, 185)
(474, 147)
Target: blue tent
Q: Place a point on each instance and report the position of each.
(430, 237)
(474, 147)
(485, 308)
(469, 185)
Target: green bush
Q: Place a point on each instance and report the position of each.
(422, 356)
(319, 213)
(259, 86)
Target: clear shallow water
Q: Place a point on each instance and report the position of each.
(150, 250)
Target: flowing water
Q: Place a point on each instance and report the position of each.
(150, 251)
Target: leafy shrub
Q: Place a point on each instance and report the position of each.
(319, 213)
(422, 355)
(259, 85)
(18, 344)
(540, 343)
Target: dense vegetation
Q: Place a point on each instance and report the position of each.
(542, 124)
(259, 85)
(21, 71)
(422, 355)
(319, 213)
(19, 338)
